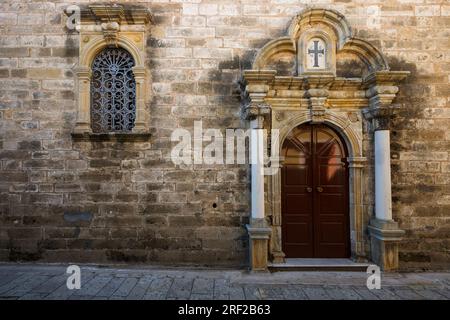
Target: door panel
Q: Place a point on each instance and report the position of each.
(296, 175)
(332, 232)
(315, 220)
(297, 201)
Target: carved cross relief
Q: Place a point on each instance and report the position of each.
(316, 54)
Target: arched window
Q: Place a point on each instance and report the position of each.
(113, 91)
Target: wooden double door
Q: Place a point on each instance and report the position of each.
(315, 204)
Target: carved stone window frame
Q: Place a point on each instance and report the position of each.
(100, 27)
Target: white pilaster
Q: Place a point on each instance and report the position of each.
(257, 169)
(383, 202)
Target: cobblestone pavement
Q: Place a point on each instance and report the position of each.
(19, 281)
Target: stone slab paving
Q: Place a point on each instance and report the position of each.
(159, 288)
(39, 281)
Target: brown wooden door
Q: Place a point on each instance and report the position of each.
(314, 187)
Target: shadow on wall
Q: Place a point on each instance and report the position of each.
(415, 187)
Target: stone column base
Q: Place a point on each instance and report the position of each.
(82, 127)
(259, 238)
(278, 257)
(384, 238)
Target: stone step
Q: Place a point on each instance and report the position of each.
(316, 264)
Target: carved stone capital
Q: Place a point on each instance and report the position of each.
(356, 162)
(278, 163)
(254, 88)
(139, 72)
(380, 100)
(380, 117)
(381, 89)
(253, 110)
(381, 123)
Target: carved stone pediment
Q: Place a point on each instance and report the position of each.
(111, 18)
(122, 14)
(319, 42)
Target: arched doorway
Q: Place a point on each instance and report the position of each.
(314, 194)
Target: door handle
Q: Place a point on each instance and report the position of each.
(309, 189)
(319, 189)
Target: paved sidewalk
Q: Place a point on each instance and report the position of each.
(21, 281)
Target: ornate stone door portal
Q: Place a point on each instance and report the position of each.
(321, 74)
(314, 194)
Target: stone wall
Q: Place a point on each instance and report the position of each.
(66, 200)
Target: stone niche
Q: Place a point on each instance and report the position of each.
(321, 73)
(112, 25)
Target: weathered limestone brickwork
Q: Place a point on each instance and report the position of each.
(125, 201)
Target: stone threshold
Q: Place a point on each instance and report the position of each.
(318, 264)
